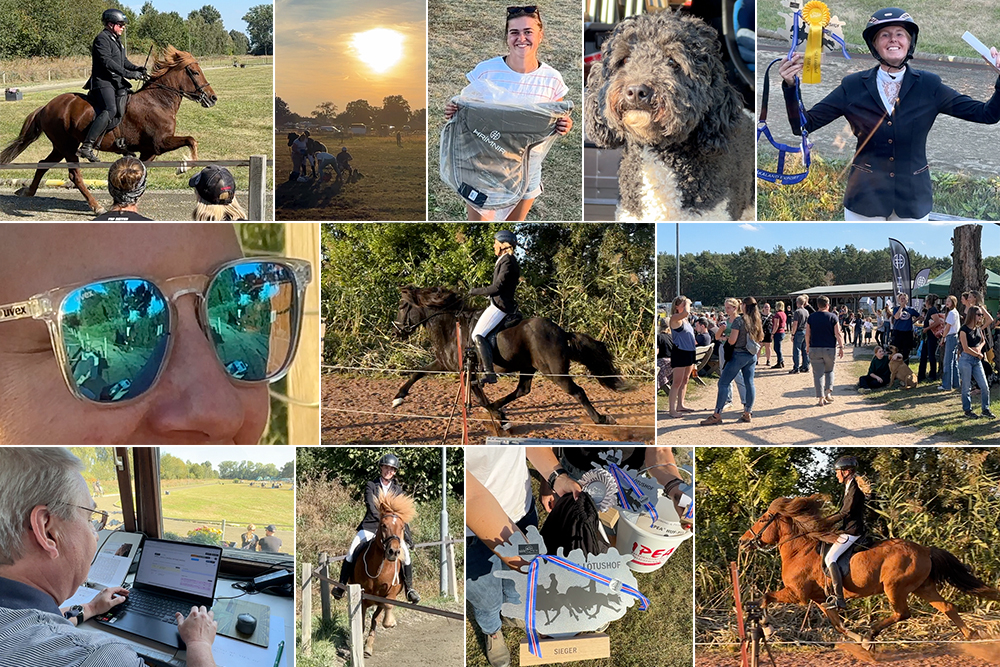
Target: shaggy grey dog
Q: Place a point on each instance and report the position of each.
(660, 90)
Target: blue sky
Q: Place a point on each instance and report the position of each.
(232, 10)
(932, 239)
(279, 456)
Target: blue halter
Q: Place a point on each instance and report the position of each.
(779, 176)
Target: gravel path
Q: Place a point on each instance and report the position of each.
(785, 413)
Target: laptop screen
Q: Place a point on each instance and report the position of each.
(182, 568)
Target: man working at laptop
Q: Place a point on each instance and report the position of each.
(48, 538)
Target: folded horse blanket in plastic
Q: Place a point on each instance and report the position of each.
(488, 147)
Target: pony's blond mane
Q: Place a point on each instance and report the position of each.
(169, 59)
(396, 503)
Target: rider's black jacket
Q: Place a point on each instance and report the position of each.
(506, 274)
(852, 514)
(110, 65)
(370, 522)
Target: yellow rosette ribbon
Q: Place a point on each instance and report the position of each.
(817, 15)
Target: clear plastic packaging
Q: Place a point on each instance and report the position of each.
(489, 145)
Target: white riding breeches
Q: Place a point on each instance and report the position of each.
(365, 536)
(491, 317)
(842, 544)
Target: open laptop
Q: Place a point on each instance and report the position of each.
(171, 576)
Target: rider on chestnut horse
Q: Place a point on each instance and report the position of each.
(506, 273)
(107, 85)
(851, 525)
(388, 466)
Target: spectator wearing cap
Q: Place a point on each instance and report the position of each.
(269, 542)
(216, 190)
(126, 183)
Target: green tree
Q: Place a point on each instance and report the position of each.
(260, 25)
(395, 111)
(172, 467)
(419, 472)
(359, 111)
(241, 43)
(325, 113)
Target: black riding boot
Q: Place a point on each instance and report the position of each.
(836, 601)
(346, 568)
(94, 133)
(411, 593)
(485, 360)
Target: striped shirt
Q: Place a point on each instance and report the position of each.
(33, 633)
(545, 84)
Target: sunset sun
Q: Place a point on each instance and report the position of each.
(379, 48)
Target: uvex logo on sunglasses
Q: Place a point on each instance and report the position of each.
(16, 311)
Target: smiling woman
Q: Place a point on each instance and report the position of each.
(379, 48)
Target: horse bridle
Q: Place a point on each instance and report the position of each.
(385, 546)
(200, 98)
(756, 542)
(408, 329)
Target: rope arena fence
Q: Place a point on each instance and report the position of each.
(355, 597)
(257, 184)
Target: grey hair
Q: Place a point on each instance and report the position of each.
(32, 476)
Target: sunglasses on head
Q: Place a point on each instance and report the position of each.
(112, 336)
(527, 9)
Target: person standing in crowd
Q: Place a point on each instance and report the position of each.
(845, 323)
(972, 338)
(903, 318)
(949, 364)
(746, 334)
(859, 327)
(799, 318)
(722, 335)
(933, 324)
(824, 339)
(682, 356)
(778, 321)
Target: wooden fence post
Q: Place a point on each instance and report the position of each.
(324, 586)
(451, 568)
(307, 608)
(357, 618)
(258, 187)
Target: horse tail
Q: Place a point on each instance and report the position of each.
(30, 131)
(945, 567)
(594, 354)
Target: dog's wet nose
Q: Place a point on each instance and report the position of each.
(639, 95)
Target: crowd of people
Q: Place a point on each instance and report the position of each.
(310, 159)
(214, 186)
(956, 335)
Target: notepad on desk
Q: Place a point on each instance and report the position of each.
(109, 567)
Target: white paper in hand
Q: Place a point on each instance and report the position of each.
(980, 49)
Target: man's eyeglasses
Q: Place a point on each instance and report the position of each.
(98, 518)
(527, 9)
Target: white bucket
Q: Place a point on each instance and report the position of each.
(651, 544)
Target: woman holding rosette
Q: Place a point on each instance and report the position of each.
(891, 109)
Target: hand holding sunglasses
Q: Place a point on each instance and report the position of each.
(112, 337)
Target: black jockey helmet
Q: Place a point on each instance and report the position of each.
(506, 236)
(389, 460)
(846, 463)
(887, 17)
(113, 16)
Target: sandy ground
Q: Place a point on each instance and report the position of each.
(848, 655)
(785, 413)
(420, 640)
(554, 413)
(69, 205)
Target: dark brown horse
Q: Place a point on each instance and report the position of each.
(535, 345)
(379, 570)
(894, 568)
(147, 128)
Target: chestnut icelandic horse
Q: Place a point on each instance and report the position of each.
(379, 570)
(147, 128)
(895, 567)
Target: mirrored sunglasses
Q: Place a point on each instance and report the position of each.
(112, 336)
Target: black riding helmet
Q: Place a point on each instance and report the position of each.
(113, 16)
(887, 17)
(389, 460)
(506, 236)
(846, 463)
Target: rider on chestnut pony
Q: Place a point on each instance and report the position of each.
(849, 522)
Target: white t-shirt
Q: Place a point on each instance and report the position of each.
(504, 473)
(952, 321)
(545, 84)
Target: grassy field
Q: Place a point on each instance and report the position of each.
(326, 520)
(659, 636)
(941, 23)
(37, 71)
(821, 195)
(238, 126)
(933, 411)
(455, 45)
(393, 188)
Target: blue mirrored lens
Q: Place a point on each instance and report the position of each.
(115, 336)
(252, 315)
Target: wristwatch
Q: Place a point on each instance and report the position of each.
(555, 475)
(76, 611)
